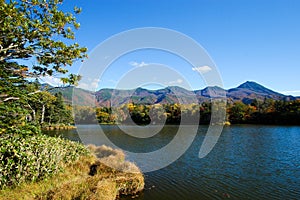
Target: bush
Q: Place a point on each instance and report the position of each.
(34, 157)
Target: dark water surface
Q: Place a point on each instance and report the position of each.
(248, 162)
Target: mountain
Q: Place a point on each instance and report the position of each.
(250, 90)
(168, 95)
(210, 92)
(79, 97)
(246, 93)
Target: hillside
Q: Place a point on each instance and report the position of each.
(81, 97)
(245, 92)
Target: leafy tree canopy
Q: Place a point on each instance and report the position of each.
(39, 30)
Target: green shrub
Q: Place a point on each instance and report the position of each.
(34, 157)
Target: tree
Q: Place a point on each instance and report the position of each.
(36, 29)
(84, 114)
(38, 103)
(139, 113)
(38, 32)
(237, 112)
(157, 114)
(205, 113)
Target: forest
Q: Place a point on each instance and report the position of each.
(268, 111)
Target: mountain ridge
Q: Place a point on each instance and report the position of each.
(245, 92)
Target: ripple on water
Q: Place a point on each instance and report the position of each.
(248, 162)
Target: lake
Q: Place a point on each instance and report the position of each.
(248, 162)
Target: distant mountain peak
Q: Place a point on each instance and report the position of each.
(213, 88)
(251, 90)
(255, 87)
(251, 85)
(213, 91)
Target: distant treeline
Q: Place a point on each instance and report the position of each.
(267, 111)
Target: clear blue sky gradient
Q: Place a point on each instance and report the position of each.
(257, 40)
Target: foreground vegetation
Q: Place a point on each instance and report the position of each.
(88, 177)
(32, 158)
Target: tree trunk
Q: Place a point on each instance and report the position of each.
(43, 114)
(50, 117)
(33, 113)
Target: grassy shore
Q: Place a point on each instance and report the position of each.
(102, 174)
(58, 127)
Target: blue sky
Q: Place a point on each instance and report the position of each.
(257, 40)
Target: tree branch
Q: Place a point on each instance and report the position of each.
(11, 98)
(38, 91)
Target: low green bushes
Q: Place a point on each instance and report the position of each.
(31, 158)
(87, 178)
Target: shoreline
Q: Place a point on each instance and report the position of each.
(58, 127)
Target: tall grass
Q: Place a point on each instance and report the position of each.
(85, 173)
(35, 157)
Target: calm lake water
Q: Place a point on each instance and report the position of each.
(248, 162)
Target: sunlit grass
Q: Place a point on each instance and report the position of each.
(103, 177)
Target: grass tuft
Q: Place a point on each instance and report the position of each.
(113, 158)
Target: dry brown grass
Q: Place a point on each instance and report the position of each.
(113, 158)
(106, 189)
(103, 176)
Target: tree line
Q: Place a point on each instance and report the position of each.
(265, 111)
